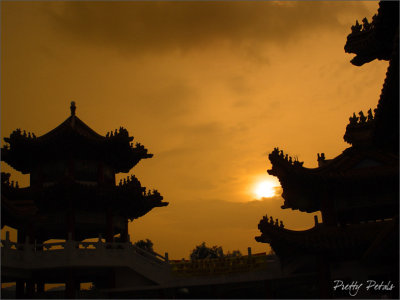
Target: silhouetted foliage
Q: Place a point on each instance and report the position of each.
(235, 253)
(145, 245)
(202, 251)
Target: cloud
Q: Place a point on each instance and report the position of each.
(168, 100)
(189, 221)
(157, 26)
(215, 213)
(206, 214)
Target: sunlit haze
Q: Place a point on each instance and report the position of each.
(264, 189)
(209, 88)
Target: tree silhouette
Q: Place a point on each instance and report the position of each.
(145, 245)
(202, 251)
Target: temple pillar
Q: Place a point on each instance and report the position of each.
(30, 289)
(71, 169)
(31, 234)
(72, 285)
(267, 289)
(70, 221)
(124, 234)
(21, 236)
(161, 294)
(39, 283)
(40, 183)
(39, 245)
(40, 287)
(327, 211)
(77, 285)
(110, 281)
(100, 174)
(109, 225)
(324, 277)
(69, 289)
(19, 289)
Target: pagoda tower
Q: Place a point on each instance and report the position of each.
(356, 192)
(73, 194)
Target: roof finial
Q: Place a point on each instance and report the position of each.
(73, 108)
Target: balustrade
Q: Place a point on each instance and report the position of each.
(222, 265)
(76, 248)
(70, 249)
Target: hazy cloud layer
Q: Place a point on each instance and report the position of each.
(214, 220)
(209, 113)
(156, 26)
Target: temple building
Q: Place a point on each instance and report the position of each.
(72, 196)
(357, 192)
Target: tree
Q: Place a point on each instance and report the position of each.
(202, 251)
(145, 245)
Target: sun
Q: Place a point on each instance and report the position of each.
(265, 189)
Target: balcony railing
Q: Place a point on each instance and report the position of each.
(13, 253)
(224, 265)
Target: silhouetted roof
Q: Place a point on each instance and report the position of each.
(73, 123)
(31, 205)
(16, 213)
(72, 139)
(362, 183)
(380, 40)
(374, 40)
(348, 241)
(355, 173)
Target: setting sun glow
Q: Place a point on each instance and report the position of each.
(264, 189)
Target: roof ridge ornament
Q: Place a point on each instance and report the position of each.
(73, 108)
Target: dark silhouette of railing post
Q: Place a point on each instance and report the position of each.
(19, 289)
(30, 289)
(72, 285)
(110, 227)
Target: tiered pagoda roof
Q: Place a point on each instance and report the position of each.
(370, 167)
(356, 192)
(379, 40)
(354, 174)
(72, 138)
(72, 169)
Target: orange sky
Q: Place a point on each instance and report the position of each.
(209, 88)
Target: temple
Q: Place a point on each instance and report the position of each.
(72, 196)
(356, 192)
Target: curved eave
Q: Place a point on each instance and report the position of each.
(341, 166)
(19, 205)
(128, 201)
(25, 153)
(133, 202)
(377, 42)
(16, 194)
(18, 162)
(356, 44)
(14, 214)
(124, 160)
(332, 241)
(359, 134)
(146, 205)
(303, 188)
